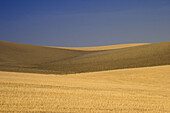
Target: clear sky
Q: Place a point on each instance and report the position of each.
(84, 22)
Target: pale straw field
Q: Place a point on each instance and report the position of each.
(136, 90)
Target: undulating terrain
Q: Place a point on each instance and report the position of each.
(38, 59)
(129, 78)
(137, 90)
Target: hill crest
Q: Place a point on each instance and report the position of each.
(39, 59)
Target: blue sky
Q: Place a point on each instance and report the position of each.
(84, 22)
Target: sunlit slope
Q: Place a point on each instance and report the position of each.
(104, 47)
(137, 90)
(39, 59)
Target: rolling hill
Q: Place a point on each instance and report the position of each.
(39, 59)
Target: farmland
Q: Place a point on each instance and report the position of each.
(135, 90)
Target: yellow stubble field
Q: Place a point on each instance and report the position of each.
(136, 90)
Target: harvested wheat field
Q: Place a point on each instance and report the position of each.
(135, 90)
(27, 58)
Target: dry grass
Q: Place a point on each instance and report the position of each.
(38, 59)
(103, 47)
(137, 90)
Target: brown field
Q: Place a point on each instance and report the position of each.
(136, 90)
(119, 46)
(16, 57)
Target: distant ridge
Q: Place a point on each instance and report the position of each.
(104, 47)
(39, 59)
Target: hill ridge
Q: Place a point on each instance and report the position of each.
(106, 47)
(41, 59)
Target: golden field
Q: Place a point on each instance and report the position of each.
(134, 90)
